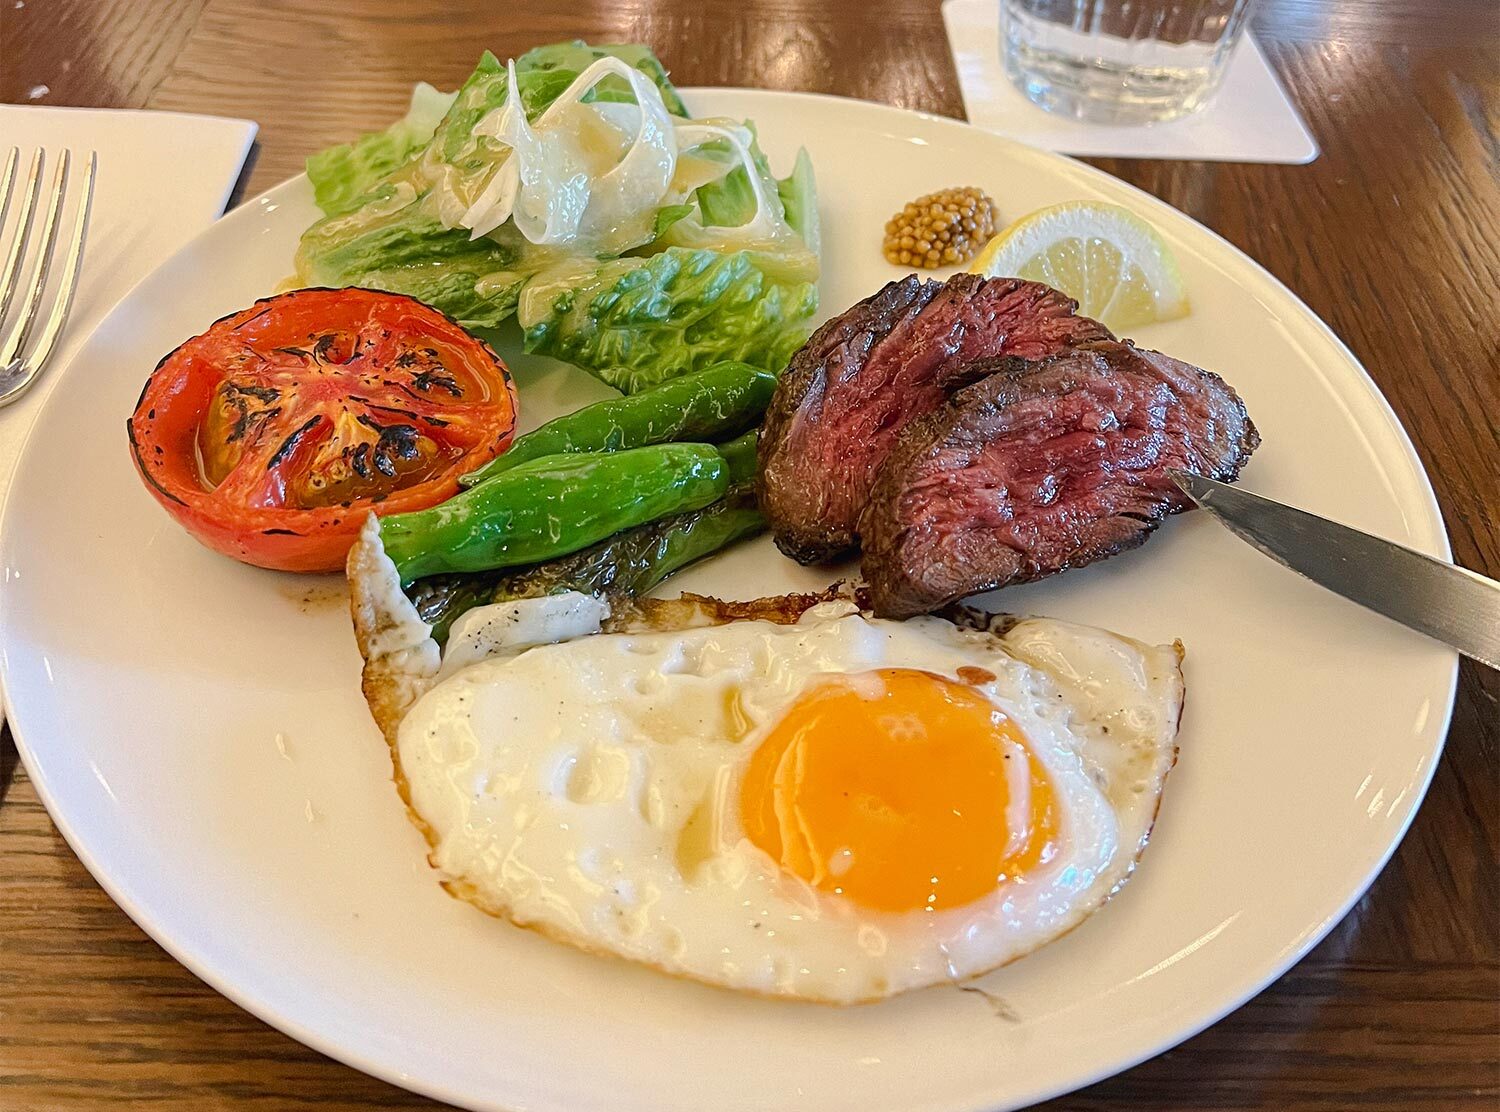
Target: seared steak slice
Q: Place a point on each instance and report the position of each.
(852, 388)
(1041, 467)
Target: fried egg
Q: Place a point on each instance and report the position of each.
(837, 809)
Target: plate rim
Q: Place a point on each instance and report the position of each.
(1277, 966)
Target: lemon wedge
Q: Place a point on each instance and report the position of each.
(1112, 262)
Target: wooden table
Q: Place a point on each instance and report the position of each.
(1392, 236)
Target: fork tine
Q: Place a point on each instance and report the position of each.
(71, 265)
(40, 270)
(23, 233)
(8, 183)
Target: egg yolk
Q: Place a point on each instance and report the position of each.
(899, 790)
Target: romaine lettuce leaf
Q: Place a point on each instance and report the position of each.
(636, 322)
(730, 201)
(731, 274)
(390, 232)
(799, 198)
(541, 74)
(342, 175)
(740, 212)
(547, 70)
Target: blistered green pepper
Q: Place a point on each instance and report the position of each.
(552, 506)
(629, 563)
(739, 453)
(626, 565)
(717, 402)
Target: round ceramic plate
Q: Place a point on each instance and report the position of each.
(196, 730)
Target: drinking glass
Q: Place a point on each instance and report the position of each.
(1119, 61)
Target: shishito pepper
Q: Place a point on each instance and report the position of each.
(712, 404)
(739, 453)
(552, 506)
(636, 561)
(627, 564)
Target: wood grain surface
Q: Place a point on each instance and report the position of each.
(1392, 236)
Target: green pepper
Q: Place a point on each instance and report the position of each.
(625, 565)
(739, 453)
(711, 404)
(441, 599)
(635, 561)
(552, 506)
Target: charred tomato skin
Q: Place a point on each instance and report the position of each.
(375, 399)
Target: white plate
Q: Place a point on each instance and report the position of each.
(150, 679)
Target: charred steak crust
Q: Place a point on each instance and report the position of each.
(866, 374)
(1040, 467)
(839, 346)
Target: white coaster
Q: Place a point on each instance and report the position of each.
(1250, 119)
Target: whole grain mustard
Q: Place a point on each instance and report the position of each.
(945, 228)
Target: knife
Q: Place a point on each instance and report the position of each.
(1452, 604)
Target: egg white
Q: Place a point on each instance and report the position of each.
(589, 789)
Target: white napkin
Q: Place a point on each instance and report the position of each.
(1249, 119)
(162, 179)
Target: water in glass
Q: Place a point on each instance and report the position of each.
(1119, 61)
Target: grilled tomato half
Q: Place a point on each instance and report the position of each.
(271, 436)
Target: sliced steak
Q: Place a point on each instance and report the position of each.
(852, 388)
(1041, 467)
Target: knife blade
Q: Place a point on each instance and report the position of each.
(1452, 604)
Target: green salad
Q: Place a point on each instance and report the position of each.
(571, 188)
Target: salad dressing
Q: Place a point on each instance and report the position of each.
(596, 175)
(570, 188)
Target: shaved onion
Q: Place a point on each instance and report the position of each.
(592, 176)
(763, 225)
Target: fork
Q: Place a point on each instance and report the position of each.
(21, 362)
